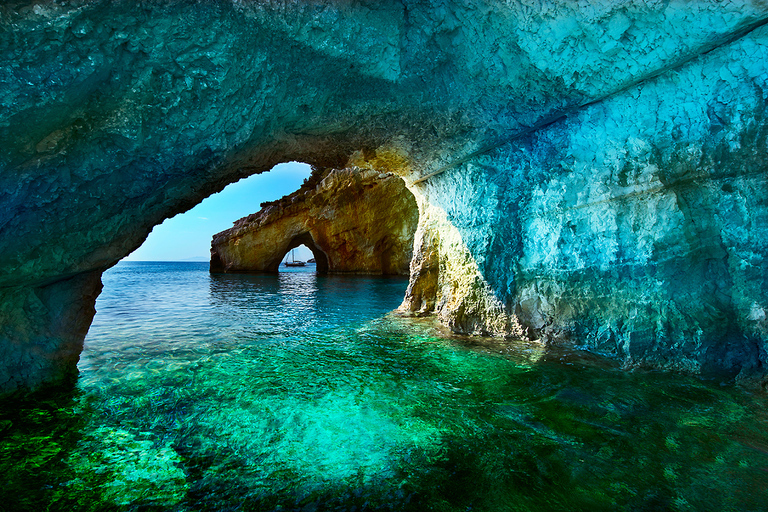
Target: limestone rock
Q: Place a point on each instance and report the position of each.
(636, 227)
(591, 173)
(353, 220)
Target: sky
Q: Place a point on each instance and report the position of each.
(187, 236)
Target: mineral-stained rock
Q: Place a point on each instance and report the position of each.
(586, 172)
(353, 220)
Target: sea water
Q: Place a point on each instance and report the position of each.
(299, 391)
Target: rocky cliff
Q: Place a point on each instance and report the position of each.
(352, 220)
(591, 173)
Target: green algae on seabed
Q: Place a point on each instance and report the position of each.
(386, 416)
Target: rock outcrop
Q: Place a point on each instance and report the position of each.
(592, 173)
(352, 220)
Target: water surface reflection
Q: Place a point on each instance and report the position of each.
(298, 392)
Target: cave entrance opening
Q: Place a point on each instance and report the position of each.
(304, 248)
(187, 236)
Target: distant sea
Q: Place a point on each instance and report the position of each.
(299, 391)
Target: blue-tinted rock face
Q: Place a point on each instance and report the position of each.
(637, 226)
(597, 170)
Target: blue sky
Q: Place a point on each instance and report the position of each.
(188, 235)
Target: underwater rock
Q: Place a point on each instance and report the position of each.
(352, 220)
(591, 173)
(121, 468)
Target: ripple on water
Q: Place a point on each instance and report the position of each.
(298, 392)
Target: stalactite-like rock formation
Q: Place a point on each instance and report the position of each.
(592, 173)
(352, 220)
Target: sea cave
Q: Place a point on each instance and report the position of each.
(574, 194)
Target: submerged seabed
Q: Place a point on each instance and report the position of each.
(298, 392)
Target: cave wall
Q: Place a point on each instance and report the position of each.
(635, 227)
(590, 172)
(42, 329)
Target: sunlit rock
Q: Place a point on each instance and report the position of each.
(352, 220)
(635, 227)
(590, 173)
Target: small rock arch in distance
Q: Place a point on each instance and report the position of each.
(306, 239)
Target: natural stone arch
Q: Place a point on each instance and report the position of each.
(354, 220)
(274, 257)
(306, 239)
(586, 171)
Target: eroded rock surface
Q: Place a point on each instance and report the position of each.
(353, 220)
(634, 227)
(586, 172)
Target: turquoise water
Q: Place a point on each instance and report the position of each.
(300, 392)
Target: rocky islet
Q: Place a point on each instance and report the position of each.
(355, 221)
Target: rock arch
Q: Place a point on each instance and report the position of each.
(587, 171)
(275, 256)
(317, 253)
(354, 220)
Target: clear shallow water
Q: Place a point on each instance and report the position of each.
(299, 392)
